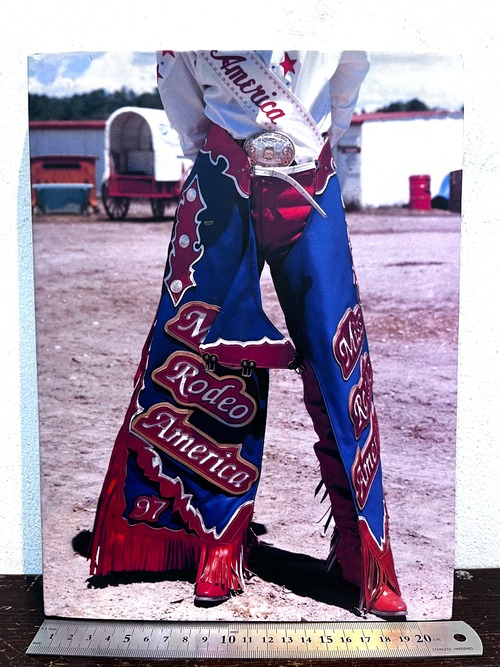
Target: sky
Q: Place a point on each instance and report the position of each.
(434, 78)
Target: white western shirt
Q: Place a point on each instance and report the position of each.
(326, 84)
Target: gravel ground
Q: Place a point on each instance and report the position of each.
(97, 286)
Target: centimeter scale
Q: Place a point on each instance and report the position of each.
(255, 640)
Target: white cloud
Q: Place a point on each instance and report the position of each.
(110, 71)
(435, 79)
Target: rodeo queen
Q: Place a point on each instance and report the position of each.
(183, 475)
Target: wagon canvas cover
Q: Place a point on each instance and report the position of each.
(148, 141)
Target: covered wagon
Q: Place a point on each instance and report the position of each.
(142, 160)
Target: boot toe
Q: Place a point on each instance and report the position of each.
(388, 604)
(207, 594)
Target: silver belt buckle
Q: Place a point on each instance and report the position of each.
(269, 149)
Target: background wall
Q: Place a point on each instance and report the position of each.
(427, 26)
(70, 142)
(392, 151)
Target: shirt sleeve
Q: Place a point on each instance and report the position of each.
(182, 98)
(345, 84)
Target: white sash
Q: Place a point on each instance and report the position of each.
(263, 95)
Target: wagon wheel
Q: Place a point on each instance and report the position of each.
(158, 208)
(116, 207)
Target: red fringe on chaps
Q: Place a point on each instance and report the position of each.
(223, 564)
(118, 546)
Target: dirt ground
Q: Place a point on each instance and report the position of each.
(97, 285)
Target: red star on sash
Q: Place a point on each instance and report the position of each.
(163, 53)
(288, 64)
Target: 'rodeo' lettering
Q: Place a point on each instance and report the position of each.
(360, 397)
(168, 428)
(185, 376)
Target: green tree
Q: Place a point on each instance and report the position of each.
(412, 105)
(96, 105)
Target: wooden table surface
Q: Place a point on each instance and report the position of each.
(476, 602)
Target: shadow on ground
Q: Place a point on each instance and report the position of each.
(295, 573)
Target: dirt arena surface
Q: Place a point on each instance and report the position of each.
(97, 286)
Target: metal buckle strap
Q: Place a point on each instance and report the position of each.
(298, 168)
(283, 174)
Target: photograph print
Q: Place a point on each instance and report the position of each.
(246, 287)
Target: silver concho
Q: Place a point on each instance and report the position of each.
(269, 149)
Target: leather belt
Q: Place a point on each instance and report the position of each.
(272, 154)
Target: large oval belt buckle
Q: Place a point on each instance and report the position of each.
(269, 149)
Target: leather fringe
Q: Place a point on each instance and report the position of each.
(224, 564)
(332, 561)
(378, 567)
(138, 549)
(119, 547)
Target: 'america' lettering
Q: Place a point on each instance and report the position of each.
(168, 428)
(366, 463)
(256, 93)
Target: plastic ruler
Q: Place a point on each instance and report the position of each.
(255, 640)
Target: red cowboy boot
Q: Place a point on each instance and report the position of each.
(222, 569)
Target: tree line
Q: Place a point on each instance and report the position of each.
(99, 105)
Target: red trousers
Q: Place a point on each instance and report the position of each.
(279, 216)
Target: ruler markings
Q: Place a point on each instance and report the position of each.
(343, 640)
